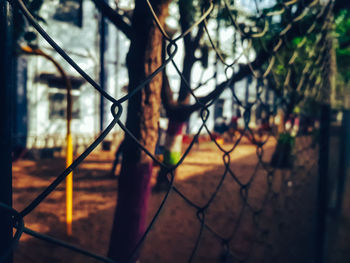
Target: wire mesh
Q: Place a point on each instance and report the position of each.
(262, 69)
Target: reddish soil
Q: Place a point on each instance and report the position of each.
(280, 232)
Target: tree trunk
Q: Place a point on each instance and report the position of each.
(144, 57)
(176, 126)
(177, 123)
(173, 142)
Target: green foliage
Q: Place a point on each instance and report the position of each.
(342, 29)
(294, 70)
(296, 41)
(286, 139)
(342, 22)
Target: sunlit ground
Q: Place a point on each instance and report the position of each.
(173, 237)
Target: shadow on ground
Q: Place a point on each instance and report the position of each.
(272, 223)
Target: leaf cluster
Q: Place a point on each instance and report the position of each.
(342, 30)
(285, 138)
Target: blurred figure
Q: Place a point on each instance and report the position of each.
(220, 125)
(233, 125)
(161, 140)
(234, 120)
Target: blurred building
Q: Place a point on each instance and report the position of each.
(76, 26)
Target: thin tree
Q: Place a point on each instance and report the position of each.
(176, 121)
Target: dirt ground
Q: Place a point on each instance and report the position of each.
(274, 224)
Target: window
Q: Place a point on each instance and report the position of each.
(58, 105)
(70, 11)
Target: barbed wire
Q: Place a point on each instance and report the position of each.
(262, 69)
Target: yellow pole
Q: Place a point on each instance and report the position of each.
(69, 160)
(69, 154)
(69, 186)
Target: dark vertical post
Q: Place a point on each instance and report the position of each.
(19, 106)
(329, 71)
(322, 187)
(103, 26)
(344, 160)
(5, 130)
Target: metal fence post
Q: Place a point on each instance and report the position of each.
(344, 160)
(5, 130)
(322, 186)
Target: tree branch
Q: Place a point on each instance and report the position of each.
(184, 111)
(174, 110)
(114, 17)
(199, 35)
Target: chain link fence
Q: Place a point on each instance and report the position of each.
(270, 194)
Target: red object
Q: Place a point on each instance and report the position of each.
(130, 218)
(187, 139)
